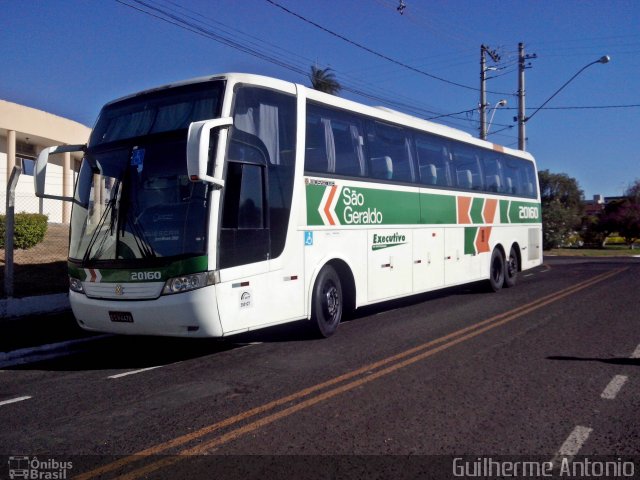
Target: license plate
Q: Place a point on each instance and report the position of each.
(125, 317)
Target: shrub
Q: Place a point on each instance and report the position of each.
(29, 229)
(615, 240)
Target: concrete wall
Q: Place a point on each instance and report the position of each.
(38, 129)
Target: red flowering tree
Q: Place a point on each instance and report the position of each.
(623, 216)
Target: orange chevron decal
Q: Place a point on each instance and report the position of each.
(464, 205)
(327, 206)
(489, 210)
(482, 240)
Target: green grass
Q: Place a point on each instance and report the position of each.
(607, 251)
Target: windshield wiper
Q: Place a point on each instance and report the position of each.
(140, 238)
(128, 217)
(98, 230)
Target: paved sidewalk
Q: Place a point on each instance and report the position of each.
(32, 322)
(33, 305)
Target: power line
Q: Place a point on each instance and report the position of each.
(378, 54)
(174, 18)
(269, 56)
(471, 110)
(308, 61)
(583, 107)
(439, 27)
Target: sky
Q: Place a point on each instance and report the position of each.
(70, 57)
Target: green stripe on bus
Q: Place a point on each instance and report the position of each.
(314, 197)
(470, 240)
(476, 210)
(369, 206)
(504, 211)
(113, 275)
(437, 209)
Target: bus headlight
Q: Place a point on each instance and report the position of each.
(185, 283)
(75, 285)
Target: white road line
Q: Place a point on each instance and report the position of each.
(574, 442)
(636, 352)
(529, 275)
(14, 400)
(133, 372)
(614, 387)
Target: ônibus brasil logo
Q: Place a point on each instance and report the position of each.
(353, 211)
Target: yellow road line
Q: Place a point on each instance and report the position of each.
(446, 342)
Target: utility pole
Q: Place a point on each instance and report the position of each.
(483, 86)
(522, 118)
(522, 145)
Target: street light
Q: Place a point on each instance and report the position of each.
(603, 59)
(524, 118)
(501, 103)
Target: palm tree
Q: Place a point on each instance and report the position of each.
(324, 80)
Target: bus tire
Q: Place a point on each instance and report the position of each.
(511, 269)
(327, 302)
(496, 270)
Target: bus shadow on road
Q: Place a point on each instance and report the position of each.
(612, 361)
(127, 352)
(138, 352)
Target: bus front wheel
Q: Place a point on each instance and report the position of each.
(496, 270)
(327, 302)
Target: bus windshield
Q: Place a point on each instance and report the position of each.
(162, 110)
(133, 199)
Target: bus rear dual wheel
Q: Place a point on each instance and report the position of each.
(503, 272)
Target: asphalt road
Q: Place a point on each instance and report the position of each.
(548, 370)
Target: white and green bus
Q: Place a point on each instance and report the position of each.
(234, 202)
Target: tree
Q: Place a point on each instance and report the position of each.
(562, 207)
(324, 79)
(593, 232)
(623, 216)
(633, 192)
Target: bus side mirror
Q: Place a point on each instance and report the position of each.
(198, 139)
(40, 170)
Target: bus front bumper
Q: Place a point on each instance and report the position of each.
(188, 314)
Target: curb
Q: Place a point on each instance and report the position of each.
(46, 352)
(19, 307)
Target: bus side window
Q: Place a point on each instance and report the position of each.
(244, 197)
(514, 174)
(433, 161)
(466, 162)
(390, 152)
(244, 236)
(315, 155)
(494, 182)
(531, 183)
(349, 159)
(333, 142)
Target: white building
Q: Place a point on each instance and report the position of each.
(24, 132)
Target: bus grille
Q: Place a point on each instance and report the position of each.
(123, 291)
